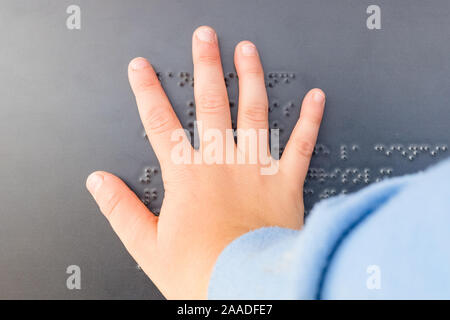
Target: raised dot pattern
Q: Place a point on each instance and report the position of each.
(322, 181)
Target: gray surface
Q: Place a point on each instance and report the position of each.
(66, 110)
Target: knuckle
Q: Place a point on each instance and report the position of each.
(109, 203)
(253, 71)
(157, 121)
(315, 120)
(147, 84)
(304, 148)
(255, 114)
(208, 58)
(212, 103)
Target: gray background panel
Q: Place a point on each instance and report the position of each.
(67, 110)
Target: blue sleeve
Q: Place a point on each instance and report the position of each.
(387, 241)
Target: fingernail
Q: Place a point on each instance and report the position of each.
(206, 34)
(93, 182)
(319, 97)
(249, 49)
(139, 63)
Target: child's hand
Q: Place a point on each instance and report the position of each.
(206, 206)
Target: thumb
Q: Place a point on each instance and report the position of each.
(129, 217)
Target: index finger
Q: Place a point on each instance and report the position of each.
(155, 110)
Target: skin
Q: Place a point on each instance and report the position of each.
(206, 206)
